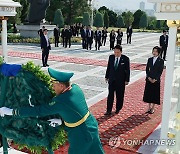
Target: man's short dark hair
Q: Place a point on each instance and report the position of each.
(158, 49)
(118, 47)
(43, 26)
(44, 30)
(164, 31)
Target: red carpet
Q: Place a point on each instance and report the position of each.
(131, 123)
(76, 60)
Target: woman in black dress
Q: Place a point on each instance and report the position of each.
(154, 70)
(112, 39)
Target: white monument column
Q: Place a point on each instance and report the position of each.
(4, 40)
(168, 10)
(7, 9)
(168, 84)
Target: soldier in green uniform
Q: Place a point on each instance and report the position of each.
(70, 104)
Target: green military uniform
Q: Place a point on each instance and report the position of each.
(81, 126)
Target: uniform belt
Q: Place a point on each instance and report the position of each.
(78, 122)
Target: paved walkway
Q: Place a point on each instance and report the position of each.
(89, 66)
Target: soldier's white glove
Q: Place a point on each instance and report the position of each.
(55, 122)
(5, 111)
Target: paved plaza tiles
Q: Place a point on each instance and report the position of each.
(89, 68)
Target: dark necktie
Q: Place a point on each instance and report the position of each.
(116, 64)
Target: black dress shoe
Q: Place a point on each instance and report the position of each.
(117, 112)
(148, 111)
(44, 66)
(151, 111)
(107, 113)
(47, 65)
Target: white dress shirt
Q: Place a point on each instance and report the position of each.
(154, 60)
(116, 59)
(47, 39)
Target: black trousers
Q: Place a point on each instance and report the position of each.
(45, 55)
(97, 44)
(119, 41)
(119, 89)
(1, 140)
(84, 43)
(129, 39)
(89, 43)
(104, 40)
(111, 45)
(63, 41)
(163, 52)
(56, 39)
(67, 40)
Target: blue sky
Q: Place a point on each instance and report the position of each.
(122, 4)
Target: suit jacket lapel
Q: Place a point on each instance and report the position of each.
(156, 61)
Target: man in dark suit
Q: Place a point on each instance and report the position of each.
(45, 46)
(97, 37)
(56, 36)
(40, 32)
(104, 36)
(117, 75)
(90, 35)
(129, 34)
(68, 35)
(84, 37)
(163, 41)
(63, 35)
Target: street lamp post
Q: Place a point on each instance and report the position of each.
(90, 2)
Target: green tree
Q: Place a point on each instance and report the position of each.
(112, 15)
(16, 19)
(151, 23)
(86, 19)
(143, 21)
(106, 19)
(24, 11)
(78, 19)
(98, 20)
(58, 18)
(158, 24)
(54, 5)
(137, 15)
(128, 18)
(70, 9)
(120, 22)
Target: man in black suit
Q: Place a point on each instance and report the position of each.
(40, 32)
(129, 34)
(84, 37)
(90, 35)
(97, 37)
(63, 35)
(163, 41)
(45, 46)
(68, 35)
(56, 36)
(117, 75)
(104, 36)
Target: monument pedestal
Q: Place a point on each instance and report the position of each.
(31, 31)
